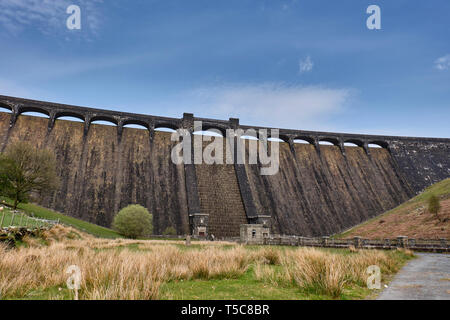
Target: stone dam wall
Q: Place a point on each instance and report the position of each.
(319, 189)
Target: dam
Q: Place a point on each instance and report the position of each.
(318, 190)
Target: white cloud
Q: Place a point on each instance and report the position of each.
(442, 63)
(47, 16)
(268, 104)
(305, 65)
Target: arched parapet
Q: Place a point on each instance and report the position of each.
(167, 124)
(309, 139)
(30, 108)
(333, 140)
(380, 143)
(6, 105)
(77, 115)
(139, 122)
(105, 117)
(357, 142)
(210, 126)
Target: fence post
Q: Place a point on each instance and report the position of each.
(443, 243)
(357, 242)
(12, 219)
(3, 218)
(325, 241)
(300, 241)
(402, 241)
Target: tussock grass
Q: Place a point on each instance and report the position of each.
(136, 269)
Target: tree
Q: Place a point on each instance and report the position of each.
(133, 221)
(434, 205)
(25, 170)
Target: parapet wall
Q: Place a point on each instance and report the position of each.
(319, 189)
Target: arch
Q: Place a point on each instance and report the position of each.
(69, 116)
(329, 141)
(212, 132)
(136, 124)
(275, 140)
(307, 139)
(165, 129)
(34, 111)
(378, 144)
(6, 107)
(207, 127)
(281, 138)
(301, 141)
(104, 120)
(353, 143)
(166, 125)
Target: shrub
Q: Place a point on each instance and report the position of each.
(133, 221)
(170, 231)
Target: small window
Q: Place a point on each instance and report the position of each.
(253, 233)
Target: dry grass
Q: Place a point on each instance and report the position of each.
(327, 273)
(133, 269)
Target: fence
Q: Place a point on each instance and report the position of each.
(19, 219)
(431, 245)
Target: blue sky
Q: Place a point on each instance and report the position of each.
(305, 64)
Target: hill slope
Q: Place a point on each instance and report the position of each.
(410, 219)
(43, 213)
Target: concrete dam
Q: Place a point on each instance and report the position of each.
(318, 190)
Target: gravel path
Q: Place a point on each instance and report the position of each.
(425, 278)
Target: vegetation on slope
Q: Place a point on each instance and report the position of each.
(411, 219)
(43, 213)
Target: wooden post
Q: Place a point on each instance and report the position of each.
(188, 240)
(12, 219)
(3, 218)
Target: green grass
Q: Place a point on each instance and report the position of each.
(43, 213)
(248, 287)
(440, 189)
(7, 219)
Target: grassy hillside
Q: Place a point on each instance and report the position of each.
(43, 213)
(410, 219)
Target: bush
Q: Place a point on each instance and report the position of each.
(133, 221)
(170, 231)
